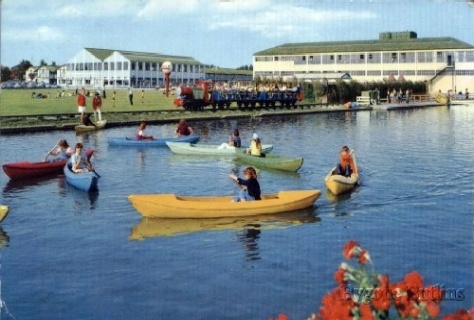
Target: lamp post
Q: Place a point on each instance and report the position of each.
(166, 67)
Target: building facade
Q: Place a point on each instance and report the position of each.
(99, 68)
(443, 63)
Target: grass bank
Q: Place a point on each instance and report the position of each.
(18, 102)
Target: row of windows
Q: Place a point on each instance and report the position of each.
(385, 57)
(140, 66)
(371, 73)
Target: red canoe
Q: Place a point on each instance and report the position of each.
(25, 169)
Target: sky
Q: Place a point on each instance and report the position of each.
(225, 33)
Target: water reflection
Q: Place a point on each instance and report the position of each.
(15, 185)
(4, 239)
(162, 227)
(248, 237)
(82, 201)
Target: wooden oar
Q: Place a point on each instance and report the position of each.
(49, 152)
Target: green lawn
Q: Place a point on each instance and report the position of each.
(18, 102)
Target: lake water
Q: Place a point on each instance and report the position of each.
(71, 255)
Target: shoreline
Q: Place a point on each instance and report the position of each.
(170, 116)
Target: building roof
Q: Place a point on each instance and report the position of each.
(409, 44)
(102, 54)
(228, 71)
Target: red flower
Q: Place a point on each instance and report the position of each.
(381, 299)
(281, 316)
(413, 282)
(458, 315)
(433, 293)
(350, 249)
(336, 305)
(366, 312)
(364, 257)
(433, 309)
(339, 277)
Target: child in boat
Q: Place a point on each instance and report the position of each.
(63, 150)
(86, 120)
(346, 165)
(255, 148)
(141, 132)
(250, 188)
(79, 160)
(234, 141)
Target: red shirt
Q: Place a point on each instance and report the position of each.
(96, 102)
(81, 100)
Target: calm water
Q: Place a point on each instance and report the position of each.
(72, 255)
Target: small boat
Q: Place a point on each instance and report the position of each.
(173, 206)
(167, 227)
(26, 169)
(208, 149)
(83, 128)
(86, 181)
(441, 98)
(3, 212)
(339, 184)
(272, 161)
(159, 142)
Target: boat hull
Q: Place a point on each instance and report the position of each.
(187, 148)
(3, 212)
(172, 206)
(160, 142)
(99, 125)
(441, 98)
(26, 169)
(272, 161)
(338, 184)
(86, 181)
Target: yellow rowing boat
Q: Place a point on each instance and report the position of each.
(3, 212)
(173, 206)
(338, 184)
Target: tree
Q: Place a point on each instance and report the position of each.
(43, 63)
(6, 74)
(19, 70)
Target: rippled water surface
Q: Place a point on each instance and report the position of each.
(71, 255)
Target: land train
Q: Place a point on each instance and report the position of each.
(204, 94)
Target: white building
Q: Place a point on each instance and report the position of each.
(98, 68)
(443, 63)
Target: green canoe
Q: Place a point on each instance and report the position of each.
(272, 161)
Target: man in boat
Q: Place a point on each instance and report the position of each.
(182, 129)
(346, 165)
(62, 149)
(79, 160)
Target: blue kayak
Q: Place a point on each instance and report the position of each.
(86, 181)
(159, 142)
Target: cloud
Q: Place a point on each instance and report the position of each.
(152, 8)
(283, 21)
(36, 34)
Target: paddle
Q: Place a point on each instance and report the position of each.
(49, 152)
(98, 175)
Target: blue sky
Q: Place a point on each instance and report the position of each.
(221, 32)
